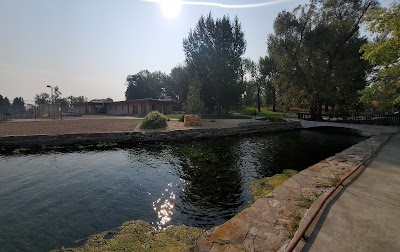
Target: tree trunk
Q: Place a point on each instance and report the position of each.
(273, 100)
(258, 99)
(315, 111)
(326, 108)
(218, 105)
(333, 108)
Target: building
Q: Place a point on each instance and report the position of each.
(137, 107)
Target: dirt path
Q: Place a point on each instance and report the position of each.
(56, 127)
(92, 124)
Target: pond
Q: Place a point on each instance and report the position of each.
(51, 200)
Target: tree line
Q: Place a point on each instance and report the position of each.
(316, 59)
(45, 98)
(16, 106)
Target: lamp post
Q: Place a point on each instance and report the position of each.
(52, 100)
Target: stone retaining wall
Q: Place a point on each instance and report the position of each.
(271, 221)
(148, 136)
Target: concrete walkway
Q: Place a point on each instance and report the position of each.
(365, 215)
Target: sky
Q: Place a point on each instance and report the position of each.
(89, 47)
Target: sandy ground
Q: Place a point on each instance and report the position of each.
(91, 124)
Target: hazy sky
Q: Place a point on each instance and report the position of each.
(89, 47)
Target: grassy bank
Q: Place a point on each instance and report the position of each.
(261, 187)
(241, 113)
(140, 236)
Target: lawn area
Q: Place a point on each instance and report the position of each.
(225, 116)
(241, 113)
(174, 116)
(265, 113)
(221, 116)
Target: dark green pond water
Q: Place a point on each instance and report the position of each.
(51, 200)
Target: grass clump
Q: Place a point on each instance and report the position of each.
(20, 151)
(261, 187)
(154, 120)
(294, 224)
(335, 180)
(141, 236)
(306, 202)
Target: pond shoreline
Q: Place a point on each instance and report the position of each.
(10, 143)
(271, 222)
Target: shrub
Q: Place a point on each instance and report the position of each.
(154, 120)
(182, 118)
(193, 103)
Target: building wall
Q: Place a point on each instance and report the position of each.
(131, 108)
(85, 109)
(117, 109)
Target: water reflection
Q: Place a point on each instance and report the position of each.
(51, 200)
(164, 206)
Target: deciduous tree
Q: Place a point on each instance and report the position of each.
(180, 80)
(146, 84)
(43, 98)
(315, 51)
(384, 53)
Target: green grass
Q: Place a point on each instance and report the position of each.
(265, 112)
(241, 113)
(294, 224)
(261, 187)
(174, 116)
(225, 116)
(140, 236)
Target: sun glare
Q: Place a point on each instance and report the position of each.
(170, 8)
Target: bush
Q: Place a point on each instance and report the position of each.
(182, 118)
(154, 120)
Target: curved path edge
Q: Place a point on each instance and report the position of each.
(146, 136)
(271, 221)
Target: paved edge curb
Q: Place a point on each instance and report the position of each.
(266, 225)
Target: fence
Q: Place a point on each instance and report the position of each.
(375, 119)
(34, 112)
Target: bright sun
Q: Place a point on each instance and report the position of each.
(170, 8)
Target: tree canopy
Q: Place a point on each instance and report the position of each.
(384, 53)
(76, 99)
(315, 49)
(193, 103)
(42, 98)
(146, 84)
(213, 51)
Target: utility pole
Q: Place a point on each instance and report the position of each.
(52, 101)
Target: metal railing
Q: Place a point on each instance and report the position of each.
(372, 119)
(34, 112)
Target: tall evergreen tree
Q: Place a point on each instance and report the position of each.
(214, 52)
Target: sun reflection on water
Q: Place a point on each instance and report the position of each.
(165, 207)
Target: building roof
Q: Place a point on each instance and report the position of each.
(167, 99)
